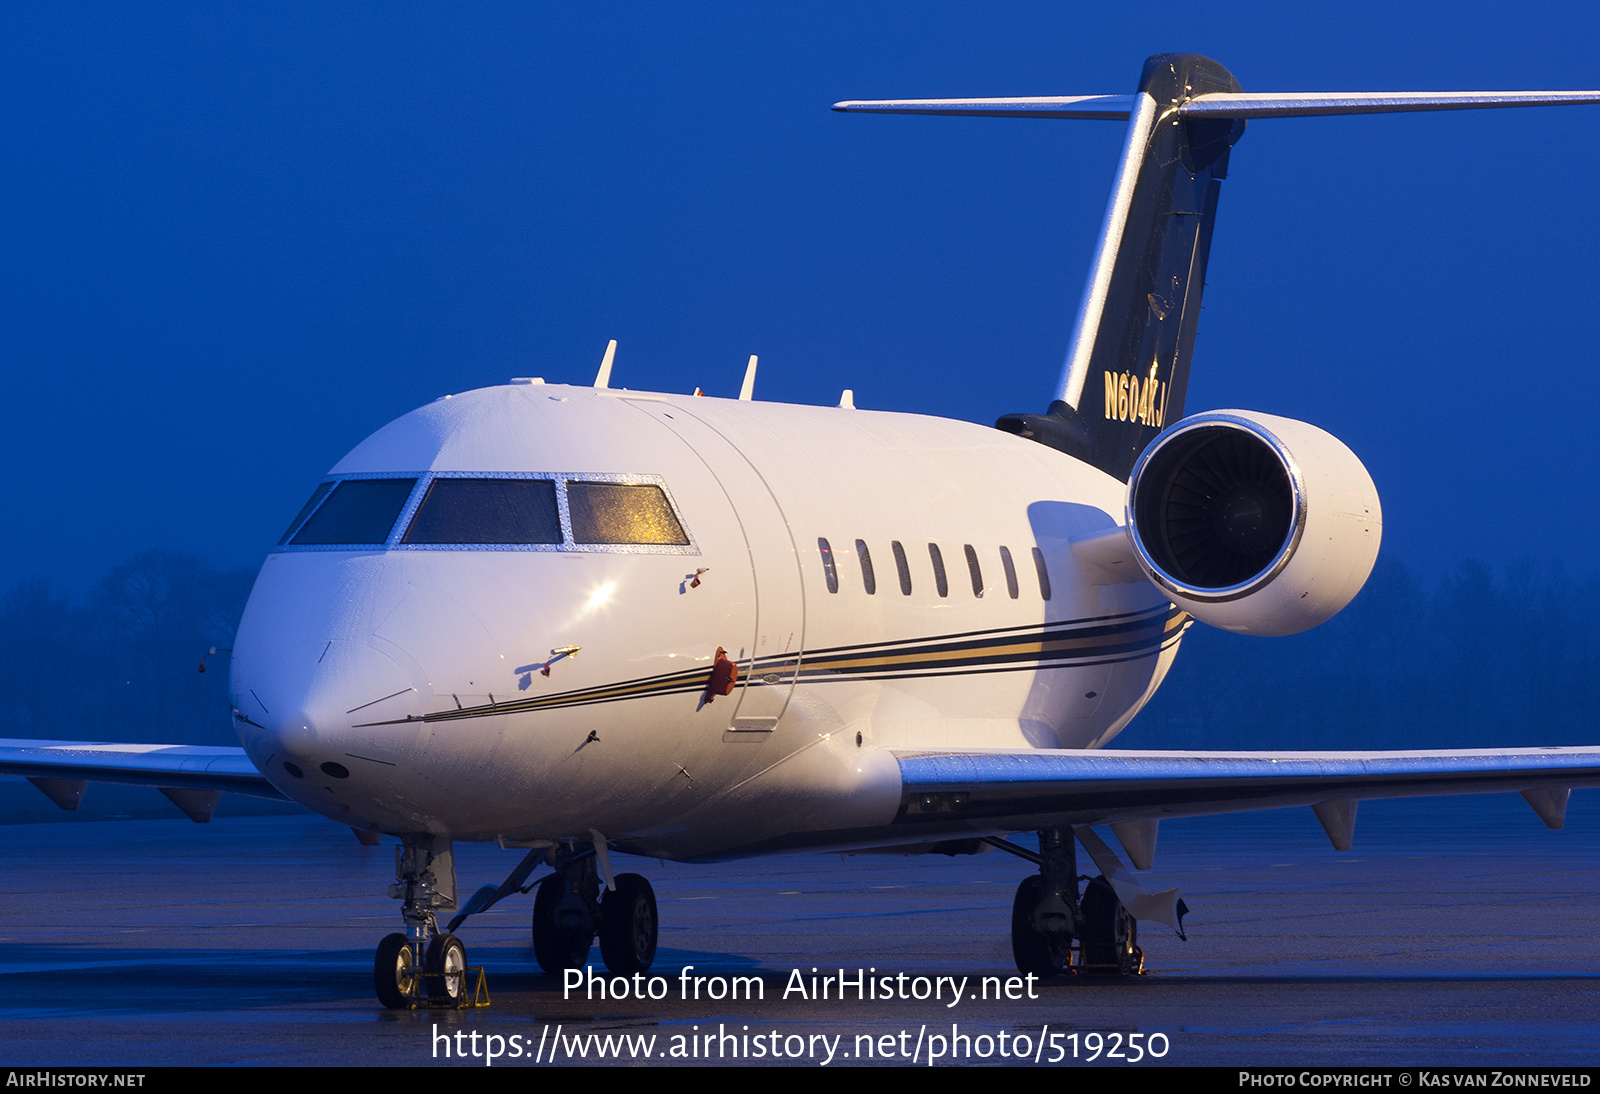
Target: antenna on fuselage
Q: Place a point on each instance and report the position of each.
(747, 390)
(603, 377)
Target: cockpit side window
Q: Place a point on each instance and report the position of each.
(622, 513)
(357, 512)
(305, 510)
(483, 511)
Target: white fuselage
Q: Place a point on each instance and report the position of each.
(416, 670)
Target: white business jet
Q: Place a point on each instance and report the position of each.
(578, 620)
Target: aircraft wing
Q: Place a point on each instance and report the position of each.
(990, 790)
(169, 767)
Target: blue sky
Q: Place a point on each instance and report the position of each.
(239, 239)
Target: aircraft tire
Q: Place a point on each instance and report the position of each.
(628, 926)
(556, 950)
(394, 974)
(446, 970)
(1030, 949)
(1107, 931)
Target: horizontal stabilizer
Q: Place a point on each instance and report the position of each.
(1289, 104)
(1113, 108)
(1317, 103)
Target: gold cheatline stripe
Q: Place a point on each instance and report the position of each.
(1124, 621)
(612, 691)
(1025, 650)
(1125, 633)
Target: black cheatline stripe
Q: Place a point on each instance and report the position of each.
(939, 652)
(691, 680)
(990, 671)
(1097, 654)
(999, 633)
(1054, 632)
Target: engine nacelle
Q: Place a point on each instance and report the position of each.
(1253, 523)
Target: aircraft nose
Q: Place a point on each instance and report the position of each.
(312, 704)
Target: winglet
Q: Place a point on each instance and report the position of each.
(603, 377)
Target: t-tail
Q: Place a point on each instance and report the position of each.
(1127, 370)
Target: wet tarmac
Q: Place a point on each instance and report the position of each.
(1457, 932)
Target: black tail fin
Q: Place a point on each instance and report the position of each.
(1128, 369)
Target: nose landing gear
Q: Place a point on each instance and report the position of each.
(423, 958)
(394, 972)
(428, 964)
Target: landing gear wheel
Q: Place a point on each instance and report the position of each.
(394, 972)
(1032, 950)
(558, 949)
(446, 968)
(1109, 932)
(628, 926)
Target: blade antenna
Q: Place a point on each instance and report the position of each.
(747, 390)
(602, 379)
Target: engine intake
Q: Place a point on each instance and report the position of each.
(1254, 523)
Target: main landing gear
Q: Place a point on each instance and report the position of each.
(423, 960)
(570, 909)
(1054, 931)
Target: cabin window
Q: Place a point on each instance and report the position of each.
(305, 510)
(939, 582)
(901, 565)
(358, 511)
(869, 580)
(974, 571)
(626, 513)
(1044, 574)
(1011, 572)
(502, 511)
(829, 574)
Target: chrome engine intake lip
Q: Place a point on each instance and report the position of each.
(1161, 575)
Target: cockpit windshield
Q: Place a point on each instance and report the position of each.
(501, 511)
(507, 511)
(357, 512)
(305, 510)
(615, 512)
